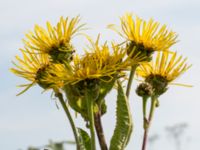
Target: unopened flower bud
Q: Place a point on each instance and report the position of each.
(144, 89)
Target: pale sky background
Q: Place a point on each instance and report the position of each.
(33, 119)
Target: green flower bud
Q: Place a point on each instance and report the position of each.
(144, 90)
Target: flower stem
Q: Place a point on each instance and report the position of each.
(67, 112)
(91, 120)
(145, 139)
(148, 122)
(99, 131)
(130, 80)
(144, 105)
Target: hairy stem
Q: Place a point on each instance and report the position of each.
(99, 131)
(67, 112)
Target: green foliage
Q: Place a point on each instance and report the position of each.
(105, 88)
(77, 100)
(33, 148)
(85, 139)
(124, 124)
(56, 146)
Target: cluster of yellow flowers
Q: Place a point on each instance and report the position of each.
(49, 59)
(147, 38)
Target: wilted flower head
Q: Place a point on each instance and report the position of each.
(163, 71)
(147, 37)
(56, 40)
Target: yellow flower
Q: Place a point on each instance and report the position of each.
(95, 73)
(33, 67)
(146, 36)
(56, 40)
(163, 71)
(98, 63)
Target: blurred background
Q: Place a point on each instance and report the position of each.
(33, 119)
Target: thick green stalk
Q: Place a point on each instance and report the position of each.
(67, 112)
(146, 129)
(91, 119)
(130, 80)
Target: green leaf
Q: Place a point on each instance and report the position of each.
(124, 124)
(75, 101)
(105, 88)
(85, 139)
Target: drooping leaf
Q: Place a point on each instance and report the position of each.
(124, 124)
(85, 140)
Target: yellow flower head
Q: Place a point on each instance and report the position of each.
(33, 67)
(163, 71)
(99, 63)
(55, 41)
(146, 36)
(95, 73)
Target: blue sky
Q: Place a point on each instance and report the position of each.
(33, 118)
